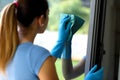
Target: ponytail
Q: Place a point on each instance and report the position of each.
(8, 35)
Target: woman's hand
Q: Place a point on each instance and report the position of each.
(95, 75)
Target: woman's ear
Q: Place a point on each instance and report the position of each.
(41, 20)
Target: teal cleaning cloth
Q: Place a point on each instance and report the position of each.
(76, 21)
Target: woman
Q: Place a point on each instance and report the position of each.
(20, 59)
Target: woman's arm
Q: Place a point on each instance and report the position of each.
(70, 71)
(48, 70)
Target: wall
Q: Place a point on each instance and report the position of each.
(111, 41)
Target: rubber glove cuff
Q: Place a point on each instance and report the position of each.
(67, 51)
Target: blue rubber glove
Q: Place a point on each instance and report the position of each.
(69, 24)
(63, 33)
(77, 23)
(95, 75)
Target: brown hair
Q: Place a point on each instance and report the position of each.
(8, 35)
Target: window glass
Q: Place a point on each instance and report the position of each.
(3, 3)
(80, 8)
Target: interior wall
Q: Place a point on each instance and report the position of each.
(111, 40)
(109, 43)
(118, 38)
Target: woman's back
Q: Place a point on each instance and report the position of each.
(27, 62)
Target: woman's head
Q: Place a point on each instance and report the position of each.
(28, 10)
(25, 13)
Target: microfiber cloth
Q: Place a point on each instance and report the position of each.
(76, 21)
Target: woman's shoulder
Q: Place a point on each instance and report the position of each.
(38, 48)
(31, 48)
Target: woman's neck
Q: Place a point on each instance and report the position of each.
(26, 35)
